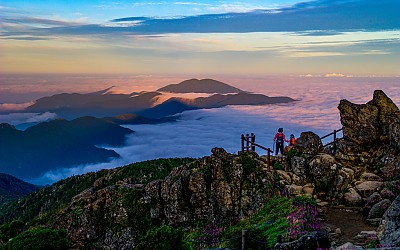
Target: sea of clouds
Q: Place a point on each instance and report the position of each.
(196, 132)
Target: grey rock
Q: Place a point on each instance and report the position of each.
(378, 209)
(308, 144)
(311, 241)
(298, 165)
(389, 229)
(348, 246)
(373, 199)
(352, 197)
(323, 169)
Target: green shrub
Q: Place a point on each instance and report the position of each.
(10, 230)
(248, 163)
(38, 239)
(291, 153)
(164, 237)
(138, 212)
(278, 166)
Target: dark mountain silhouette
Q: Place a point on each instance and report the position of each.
(99, 104)
(178, 105)
(200, 86)
(167, 108)
(12, 188)
(105, 104)
(218, 100)
(58, 143)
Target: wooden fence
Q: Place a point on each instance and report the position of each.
(335, 140)
(249, 144)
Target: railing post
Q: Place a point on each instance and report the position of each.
(247, 142)
(244, 232)
(253, 140)
(242, 138)
(269, 159)
(334, 141)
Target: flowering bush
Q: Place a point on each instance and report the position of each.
(303, 219)
(210, 233)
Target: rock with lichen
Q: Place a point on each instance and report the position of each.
(221, 186)
(371, 135)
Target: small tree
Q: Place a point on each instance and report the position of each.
(39, 239)
(164, 237)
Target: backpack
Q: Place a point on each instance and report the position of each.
(279, 138)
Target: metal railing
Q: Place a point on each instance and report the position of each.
(335, 140)
(249, 144)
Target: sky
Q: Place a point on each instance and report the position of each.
(252, 37)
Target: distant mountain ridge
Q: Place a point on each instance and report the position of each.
(177, 105)
(201, 86)
(12, 188)
(105, 104)
(58, 143)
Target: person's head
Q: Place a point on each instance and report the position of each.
(292, 136)
(280, 129)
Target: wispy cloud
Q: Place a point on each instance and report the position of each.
(45, 21)
(21, 118)
(316, 18)
(14, 106)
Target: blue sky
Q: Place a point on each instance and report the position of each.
(102, 11)
(345, 37)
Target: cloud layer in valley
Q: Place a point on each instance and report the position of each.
(197, 132)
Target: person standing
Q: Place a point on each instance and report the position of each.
(292, 140)
(279, 139)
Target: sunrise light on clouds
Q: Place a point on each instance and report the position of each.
(357, 37)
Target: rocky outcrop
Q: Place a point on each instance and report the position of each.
(222, 187)
(362, 171)
(389, 229)
(371, 135)
(89, 217)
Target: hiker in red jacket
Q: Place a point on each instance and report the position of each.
(279, 140)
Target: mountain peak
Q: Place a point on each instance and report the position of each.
(102, 92)
(200, 86)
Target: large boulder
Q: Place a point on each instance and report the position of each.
(379, 209)
(352, 197)
(366, 124)
(371, 136)
(323, 170)
(360, 122)
(367, 188)
(344, 179)
(308, 144)
(311, 241)
(389, 229)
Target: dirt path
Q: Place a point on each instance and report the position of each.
(351, 223)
